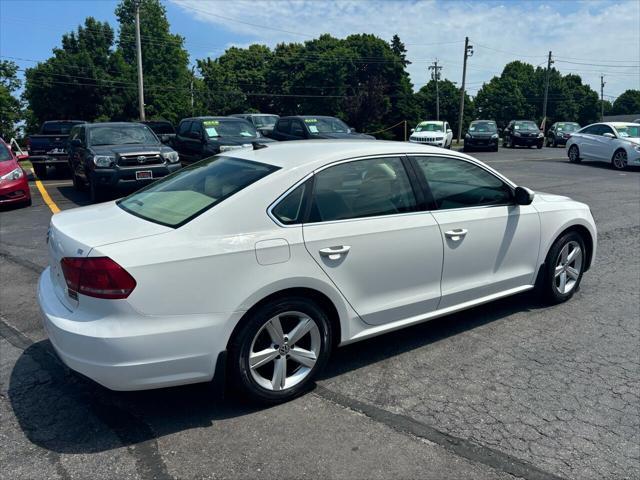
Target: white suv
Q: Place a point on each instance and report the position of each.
(433, 132)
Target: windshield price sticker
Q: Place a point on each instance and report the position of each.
(211, 123)
(313, 129)
(211, 131)
(310, 120)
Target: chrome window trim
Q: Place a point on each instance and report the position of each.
(387, 155)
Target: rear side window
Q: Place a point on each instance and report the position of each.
(184, 128)
(291, 209)
(184, 195)
(362, 188)
(459, 184)
(284, 126)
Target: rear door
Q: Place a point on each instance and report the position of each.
(368, 234)
(180, 140)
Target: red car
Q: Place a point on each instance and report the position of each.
(14, 186)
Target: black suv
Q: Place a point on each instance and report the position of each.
(522, 133)
(203, 137)
(560, 132)
(117, 156)
(481, 134)
(314, 127)
(264, 122)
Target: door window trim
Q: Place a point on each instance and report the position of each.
(429, 194)
(416, 188)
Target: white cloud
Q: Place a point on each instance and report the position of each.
(601, 32)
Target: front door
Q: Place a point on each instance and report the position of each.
(366, 234)
(490, 243)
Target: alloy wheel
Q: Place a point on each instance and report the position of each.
(573, 154)
(279, 360)
(568, 267)
(620, 159)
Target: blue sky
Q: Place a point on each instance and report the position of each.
(587, 37)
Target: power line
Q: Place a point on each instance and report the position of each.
(599, 64)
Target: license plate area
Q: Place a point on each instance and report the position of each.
(144, 175)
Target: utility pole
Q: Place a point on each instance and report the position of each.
(435, 75)
(546, 93)
(193, 72)
(602, 84)
(468, 52)
(139, 58)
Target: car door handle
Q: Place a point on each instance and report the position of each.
(456, 234)
(334, 253)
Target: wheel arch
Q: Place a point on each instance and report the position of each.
(619, 149)
(322, 299)
(586, 235)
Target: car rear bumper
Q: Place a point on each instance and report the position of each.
(129, 351)
(49, 159)
(125, 178)
(16, 191)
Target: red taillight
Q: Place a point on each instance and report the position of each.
(98, 277)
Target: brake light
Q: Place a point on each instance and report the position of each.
(98, 277)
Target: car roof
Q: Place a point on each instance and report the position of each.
(431, 121)
(308, 116)
(192, 119)
(312, 154)
(481, 120)
(112, 124)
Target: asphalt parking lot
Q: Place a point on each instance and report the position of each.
(512, 389)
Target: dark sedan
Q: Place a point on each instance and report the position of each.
(482, 134)
(117, 157)
(314, 127)
(560, 132)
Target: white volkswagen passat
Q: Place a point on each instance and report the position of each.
(255, 264)
(617, 143)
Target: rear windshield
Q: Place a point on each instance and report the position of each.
(184, 195)
(57, 128)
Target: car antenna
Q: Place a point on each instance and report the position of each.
(258, 146)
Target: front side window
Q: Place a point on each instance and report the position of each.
(458, 184)
(184, 128)
(297, 129)
(184, 195)
(122, 135)
(362, 188)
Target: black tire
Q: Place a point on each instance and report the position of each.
(40, 171)
(574, 154)
(495, 149)
(27, 203)
(619, 159)
(96, 193)
(78, 183)
(511, 144)
(539, 146)
(239, 371)
(547, 286)
(554, 144)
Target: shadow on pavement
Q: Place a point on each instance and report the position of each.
(64, 412)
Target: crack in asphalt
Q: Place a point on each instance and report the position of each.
(128, 427)
(459, 446)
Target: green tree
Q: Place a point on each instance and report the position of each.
(165, 62)
(82, 80)
(449, 103)
(628, 103)
(10, 105)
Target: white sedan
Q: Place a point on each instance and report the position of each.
(617, 143)
(255, 264)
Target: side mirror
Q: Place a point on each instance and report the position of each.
(523, 196)
(413, 130)
(22, 156)
(608, 135)
(165, 138)
(449, 130)
(195, 135)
